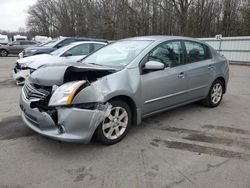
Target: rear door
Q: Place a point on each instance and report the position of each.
(201, 69)
(168, 87)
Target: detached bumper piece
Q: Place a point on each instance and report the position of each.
(20, 75)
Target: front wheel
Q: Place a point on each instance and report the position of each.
(215, 94)
(116, 124)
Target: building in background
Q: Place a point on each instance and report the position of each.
(42, 39)
(4, 39)
(233, 48)
(19, 37)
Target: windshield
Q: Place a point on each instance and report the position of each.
(47, 43)
(60, 50)
(118, 54)
(50, 44)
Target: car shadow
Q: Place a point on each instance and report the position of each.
(14, 128)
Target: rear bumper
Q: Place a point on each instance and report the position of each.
(73, 124)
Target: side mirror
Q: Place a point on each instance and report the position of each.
(67, 54)
(10, 44)
(154, 66)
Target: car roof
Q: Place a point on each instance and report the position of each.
(86, 42)
(87, 39)
(161, 38)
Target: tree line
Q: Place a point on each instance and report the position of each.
(114, 19)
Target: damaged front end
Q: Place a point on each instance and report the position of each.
(49, 107)
(20, 74)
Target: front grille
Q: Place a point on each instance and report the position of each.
(32, 93)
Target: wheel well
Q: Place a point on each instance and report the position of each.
(4, 50)
(131, 104)
(223, 82)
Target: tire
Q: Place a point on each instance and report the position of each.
(109, 134)
(215, 94)
(3, 53)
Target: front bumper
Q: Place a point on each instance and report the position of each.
(20, 76)
(73, 124)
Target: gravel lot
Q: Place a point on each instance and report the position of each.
(191, 146)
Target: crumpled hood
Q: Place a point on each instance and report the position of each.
(58, 74)
(50, 59)
(31, 59)
(36, 61)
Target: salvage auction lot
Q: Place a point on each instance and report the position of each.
(191, 146)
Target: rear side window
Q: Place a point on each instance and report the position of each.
(196, 52)
(169, 53)
(27, 43)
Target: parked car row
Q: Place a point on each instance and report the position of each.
(71, 98)
(15, 47)
(54, 45)
(25, 48)
(68, 54)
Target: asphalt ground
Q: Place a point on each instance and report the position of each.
(191, 146)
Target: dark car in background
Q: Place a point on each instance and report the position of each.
(52, 46)
(15, 47)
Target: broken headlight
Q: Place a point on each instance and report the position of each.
(65, 94)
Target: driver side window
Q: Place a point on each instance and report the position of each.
(169, 53)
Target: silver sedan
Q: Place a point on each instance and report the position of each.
(119, 85)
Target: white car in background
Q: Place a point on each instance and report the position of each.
(67, 54)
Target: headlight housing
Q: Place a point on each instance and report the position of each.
(65, 94)
(24, 65)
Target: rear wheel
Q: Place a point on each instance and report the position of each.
(116, 125)
(3, 53)
(215, 94)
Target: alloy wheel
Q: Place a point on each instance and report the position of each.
(216, 94)
(115, 123)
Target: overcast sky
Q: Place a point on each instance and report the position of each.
(13, 13)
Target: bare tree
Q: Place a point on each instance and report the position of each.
(114, 19)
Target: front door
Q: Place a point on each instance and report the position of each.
(168, 87)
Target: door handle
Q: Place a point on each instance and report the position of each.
(181, 75)
(210, 67)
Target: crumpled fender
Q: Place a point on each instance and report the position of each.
(108, 87)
